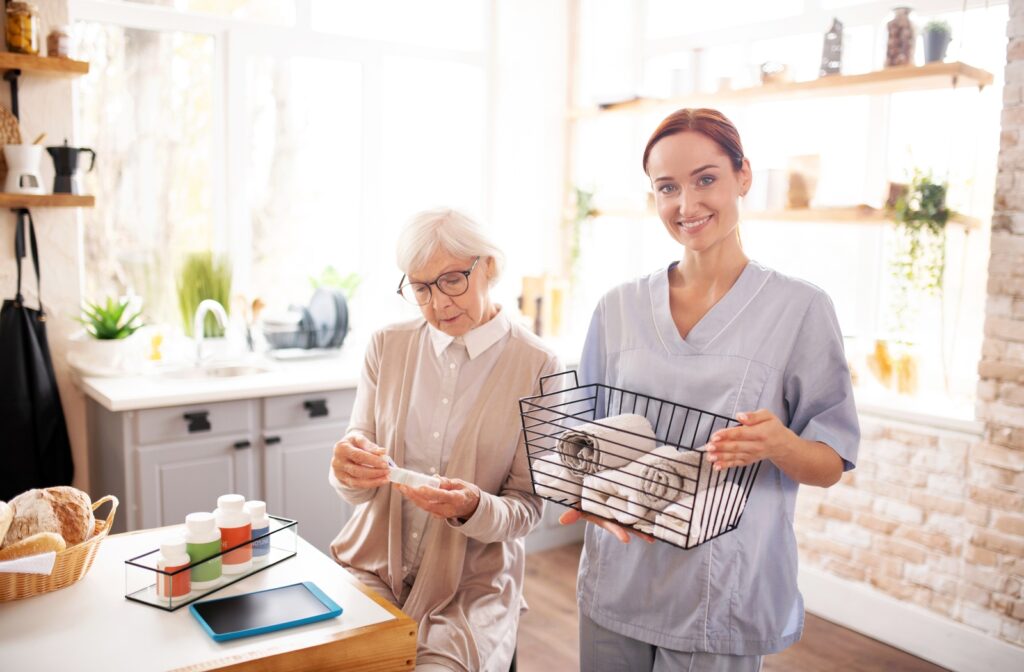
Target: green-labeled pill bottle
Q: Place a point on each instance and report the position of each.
(202, 540)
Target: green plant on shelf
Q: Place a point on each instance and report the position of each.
(919, 263)
(939, 27)
(584, 211)
(203, 276)
(108, 322)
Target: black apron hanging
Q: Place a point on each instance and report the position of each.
(34, 448)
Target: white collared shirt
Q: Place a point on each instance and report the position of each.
(451, 374)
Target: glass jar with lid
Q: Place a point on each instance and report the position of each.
(58, 42)
(22, 27)
(900, 45)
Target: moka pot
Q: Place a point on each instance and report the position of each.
(65, 163)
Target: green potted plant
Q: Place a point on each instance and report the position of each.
(203, 275)
(937, 35)
(585, 210)
(108, 322)
(100, 348)
(918, 264)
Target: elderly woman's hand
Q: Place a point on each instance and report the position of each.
(359, 462)
(454, 499)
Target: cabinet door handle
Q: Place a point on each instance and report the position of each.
(199, 421)
(244, 443)
(317, 407)
(271, 440)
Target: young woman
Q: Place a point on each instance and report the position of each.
(718, 332)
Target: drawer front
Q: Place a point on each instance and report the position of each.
(309, 409)
(180, 423)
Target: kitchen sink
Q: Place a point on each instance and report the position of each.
(218, 371)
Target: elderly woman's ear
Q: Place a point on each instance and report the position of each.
(492, 270)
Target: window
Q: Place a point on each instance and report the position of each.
(292, 135)
(147, 109)
(859, 144)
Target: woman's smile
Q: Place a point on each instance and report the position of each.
(694, 225)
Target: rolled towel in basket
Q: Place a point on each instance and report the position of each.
(552, 479)
(673, 524)
(664, 476)
(641, 489)
(609, 443)
(706, 514)
(606, 494)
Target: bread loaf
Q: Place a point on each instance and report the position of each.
(62, 509)
(6, 516)
(33, 545)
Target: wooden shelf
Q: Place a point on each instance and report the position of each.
(890, 80)
(42, 65)
(857, 214)
(46, 201)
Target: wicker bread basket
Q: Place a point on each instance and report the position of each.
(71, 565)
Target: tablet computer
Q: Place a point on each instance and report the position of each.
(264, 611)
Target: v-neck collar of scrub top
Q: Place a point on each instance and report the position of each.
(715, 321)
(477, 340)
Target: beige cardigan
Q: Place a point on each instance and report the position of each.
(468, 591)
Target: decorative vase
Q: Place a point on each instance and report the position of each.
(935, 44)
(900, 46)
(881, 364)
(832, 50)
(906, 373)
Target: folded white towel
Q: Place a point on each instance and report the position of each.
(552, 479)
(608, 443)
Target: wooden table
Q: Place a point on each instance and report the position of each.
(91, 626)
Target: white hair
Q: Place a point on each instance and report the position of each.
(448, 230)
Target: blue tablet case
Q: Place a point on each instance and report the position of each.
(264, 611)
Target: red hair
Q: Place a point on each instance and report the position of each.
(708, 122)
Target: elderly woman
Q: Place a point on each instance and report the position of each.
(439, 395)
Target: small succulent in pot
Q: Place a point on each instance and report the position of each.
(937, 36)
(108, 322)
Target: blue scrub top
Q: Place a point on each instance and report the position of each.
(771, 342)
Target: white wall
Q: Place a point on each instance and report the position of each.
(46, 106)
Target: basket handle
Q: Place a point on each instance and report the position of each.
(113, 507)
(544, 379)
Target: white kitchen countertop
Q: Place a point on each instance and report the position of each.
(131, 393)
(91, 626)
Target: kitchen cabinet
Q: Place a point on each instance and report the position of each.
(300, 431)
(163, 463)
(176, 479)
(164, 456)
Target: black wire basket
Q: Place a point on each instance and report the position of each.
(633, 459)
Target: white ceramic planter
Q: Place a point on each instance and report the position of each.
(95, 357)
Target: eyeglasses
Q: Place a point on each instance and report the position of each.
(453, 283)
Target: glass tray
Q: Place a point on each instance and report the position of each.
(141, 575)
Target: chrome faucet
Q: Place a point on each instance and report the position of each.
(206, 306)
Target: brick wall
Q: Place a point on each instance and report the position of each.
(932, 517)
